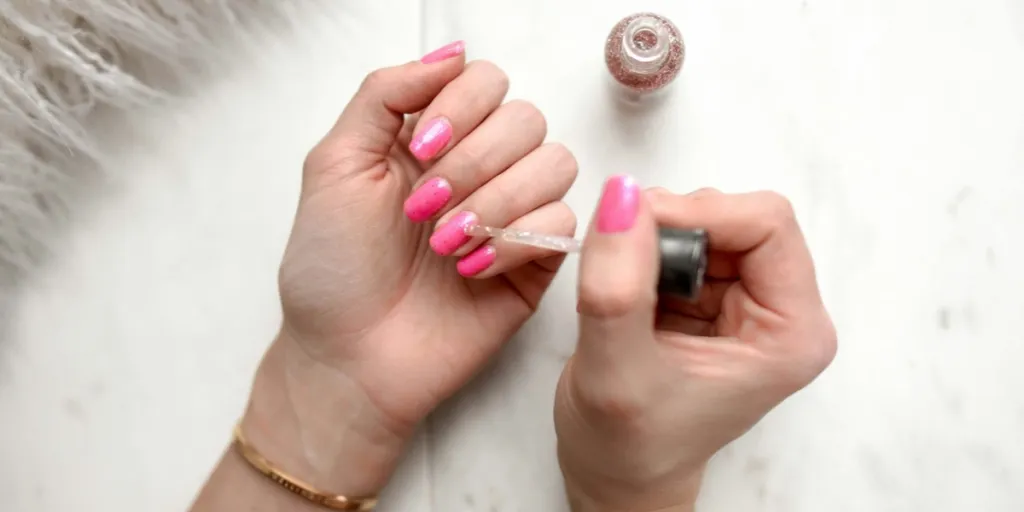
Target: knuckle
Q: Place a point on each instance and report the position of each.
(618, 407)
(657, 197)
(312, 159)
(704, 192)
(510, 199)
(374, 79)
(327, 158)
(528, 114)
(571, 223)
(778, 207)
(312, 163)
(472, 159)
(563, 219)
(826, 348)
(602, 299)
(814, 358)
(563, 160)
(790, 377)
(490, 70)
(609, 401)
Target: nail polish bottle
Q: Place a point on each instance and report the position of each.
(644, 54)
(684, 259)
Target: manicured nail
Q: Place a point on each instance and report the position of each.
(427, 200)
(445, 52)
(452, 235)
(432, 138)
(619, 206)
(477, 261)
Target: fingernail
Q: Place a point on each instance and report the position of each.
(619, 206)
(431, 139)
(445, 52)
(427, 200)
(477, 261)
(452, 235)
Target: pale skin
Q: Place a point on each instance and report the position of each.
(661, 385)
(387, 311)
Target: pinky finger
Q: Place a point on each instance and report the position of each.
(497, 257)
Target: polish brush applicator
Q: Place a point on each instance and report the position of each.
(683, 261)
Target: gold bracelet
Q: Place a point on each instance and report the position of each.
(294, 485)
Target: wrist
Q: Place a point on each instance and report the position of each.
(581, 500)
(317, 424)
(587, 492)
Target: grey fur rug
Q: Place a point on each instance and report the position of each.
(61, 61)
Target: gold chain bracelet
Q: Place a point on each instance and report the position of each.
(294, 485)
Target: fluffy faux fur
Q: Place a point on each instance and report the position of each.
(62, 60)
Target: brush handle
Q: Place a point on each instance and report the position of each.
(683, 254)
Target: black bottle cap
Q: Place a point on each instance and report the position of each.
(684, 259)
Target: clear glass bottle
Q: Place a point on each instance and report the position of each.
(644, 54)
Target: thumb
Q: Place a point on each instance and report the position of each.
(373, 118)
(618, 282)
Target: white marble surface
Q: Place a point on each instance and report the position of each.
(897, 128)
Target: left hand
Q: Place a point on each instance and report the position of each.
(388, 307)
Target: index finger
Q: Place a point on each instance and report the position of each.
(775, 264)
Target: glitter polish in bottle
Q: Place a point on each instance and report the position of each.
(644, 54)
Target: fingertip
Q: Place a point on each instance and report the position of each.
(618, 264)
(476, 262)
(427, 200)
(619, 205)
(430, 140)
(450, 236)
(445, 53)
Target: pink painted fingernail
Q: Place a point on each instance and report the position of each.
(452, 235)
(445, 52)
(619, 206)
(427, 200)
(432, 138)
(477, 261)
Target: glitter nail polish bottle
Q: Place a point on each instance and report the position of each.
(644, 54)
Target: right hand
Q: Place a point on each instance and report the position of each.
(656, 388)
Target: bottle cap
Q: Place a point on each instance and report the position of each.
(684, 259)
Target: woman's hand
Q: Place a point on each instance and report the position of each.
(388, 307)
(656, 388)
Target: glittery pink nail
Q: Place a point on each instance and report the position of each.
(644, 52)
(431, 139)
(427, 200)
(477, 261)
(445, 52)
(452, 235)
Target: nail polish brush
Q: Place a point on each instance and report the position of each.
(683, 254)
